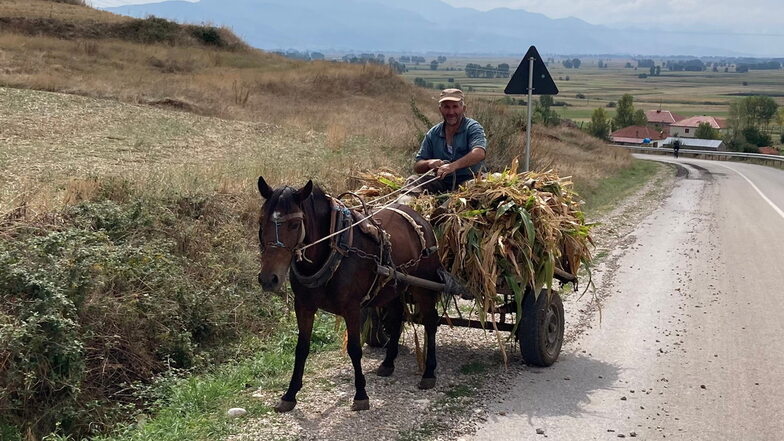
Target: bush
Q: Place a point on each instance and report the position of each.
(208, 35)
(754, 136)
(115, 293)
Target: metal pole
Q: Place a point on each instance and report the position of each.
(530, 107)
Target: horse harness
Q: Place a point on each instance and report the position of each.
(341, 245)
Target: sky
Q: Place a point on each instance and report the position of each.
(757, 17)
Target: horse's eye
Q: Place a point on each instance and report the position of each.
(293, 225)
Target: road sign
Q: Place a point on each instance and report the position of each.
(543, 83)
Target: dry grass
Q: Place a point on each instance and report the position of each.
(67, 11)
(265, 114)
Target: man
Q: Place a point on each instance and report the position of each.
(676, 146)
(454, 148)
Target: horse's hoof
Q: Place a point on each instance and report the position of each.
(360, 405)
(385, 371)
(427, 383)
(285, 406)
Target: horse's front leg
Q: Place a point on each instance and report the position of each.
(361, 400)
(305, 327)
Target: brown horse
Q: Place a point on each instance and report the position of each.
(337, 275)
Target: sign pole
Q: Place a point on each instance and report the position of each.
(530, 107)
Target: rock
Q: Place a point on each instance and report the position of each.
(623, 398)
(236, 412)
(540, 431)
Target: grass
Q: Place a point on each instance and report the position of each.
(194, 408)
(613, 189)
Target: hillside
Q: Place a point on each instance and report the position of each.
(129, 210)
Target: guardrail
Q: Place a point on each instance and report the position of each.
(774, 160)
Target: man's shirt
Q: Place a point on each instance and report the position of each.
(470, 134)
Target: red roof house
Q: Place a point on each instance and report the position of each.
(634, 135)
(662, 119)
(687, 127)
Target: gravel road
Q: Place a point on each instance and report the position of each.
(690, 344)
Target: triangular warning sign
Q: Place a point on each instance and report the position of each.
(543, 83)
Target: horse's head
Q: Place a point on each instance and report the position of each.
(281, 231)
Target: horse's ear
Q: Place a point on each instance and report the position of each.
(264, 189)
(305, 191)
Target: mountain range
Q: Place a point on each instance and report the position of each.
(433, 26)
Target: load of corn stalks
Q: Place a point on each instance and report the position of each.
(511, 229)
(514, 229)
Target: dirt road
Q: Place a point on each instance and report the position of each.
(691, 340)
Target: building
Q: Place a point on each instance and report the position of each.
(661, 120)
(686, 128)
(715, 145)
(636, 135)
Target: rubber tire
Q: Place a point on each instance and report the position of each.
(541, 329)
(377, 337)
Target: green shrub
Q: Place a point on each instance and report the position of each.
(113, 294)
(208, 35)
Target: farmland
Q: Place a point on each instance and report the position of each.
(685, 93)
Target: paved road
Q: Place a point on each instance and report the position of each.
(691, 340)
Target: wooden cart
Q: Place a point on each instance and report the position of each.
(540, 327)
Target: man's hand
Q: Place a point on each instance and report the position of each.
(435, 163)
(446, 169)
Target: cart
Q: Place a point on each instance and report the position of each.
(539, 330)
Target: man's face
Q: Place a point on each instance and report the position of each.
(452, 111)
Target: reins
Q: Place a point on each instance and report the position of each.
(299, 250)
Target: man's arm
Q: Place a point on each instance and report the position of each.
(475, 156)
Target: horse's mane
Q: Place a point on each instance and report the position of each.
(282, 200)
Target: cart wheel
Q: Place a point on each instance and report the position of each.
(373, 329)
(541, 329)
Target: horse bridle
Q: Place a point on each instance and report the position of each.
(280, 220)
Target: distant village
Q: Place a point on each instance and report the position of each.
(664, 127)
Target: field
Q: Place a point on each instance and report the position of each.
(685, 93)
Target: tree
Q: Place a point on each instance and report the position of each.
(600, 124)
(489, 71)
(639, 118)
(434, 65)
(543, 112)
(653, 70)
(576, 63)
(568, 64)
(624, 115)
(600, 64)
(658, 70)
(503, 70)
(756, 137)
(705, 131)
(752, 111)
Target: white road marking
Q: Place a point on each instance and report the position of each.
(776, 208)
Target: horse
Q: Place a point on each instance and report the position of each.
(341, 275)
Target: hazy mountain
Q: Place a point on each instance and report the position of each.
(431, 26)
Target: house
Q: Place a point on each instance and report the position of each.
(715, 145)
(769, 151)
(661, 120)
(635, 135)
(686, 128)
